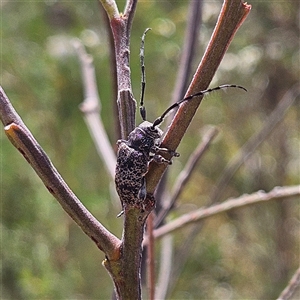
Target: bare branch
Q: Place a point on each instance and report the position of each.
(91, 107)
(195, 216)
(23, 140)
(186, 173)
(290, 289)
(249, 147)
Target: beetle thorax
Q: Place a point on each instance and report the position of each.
(144, 137)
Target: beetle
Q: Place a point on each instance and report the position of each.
(143, 145)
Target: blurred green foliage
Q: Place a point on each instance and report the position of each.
(249, 253)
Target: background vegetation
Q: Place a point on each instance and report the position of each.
(248, 253)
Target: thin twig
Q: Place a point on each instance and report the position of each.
(91, 108)
(196, 216)
(290, 289)
(23, 140)
(186, 173)
(249, 147)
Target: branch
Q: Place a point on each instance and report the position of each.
(23, 140)
(91, 107)
(231, 17)
(288, 292)
(276, 193)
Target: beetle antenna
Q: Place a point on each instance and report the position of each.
(160, 119)
(143, 81)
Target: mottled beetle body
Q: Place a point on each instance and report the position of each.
(133, 158)
(142, 146)
(132, 165)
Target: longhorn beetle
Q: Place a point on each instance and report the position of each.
(142, 146)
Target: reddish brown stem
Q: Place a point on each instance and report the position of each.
(232, 15)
